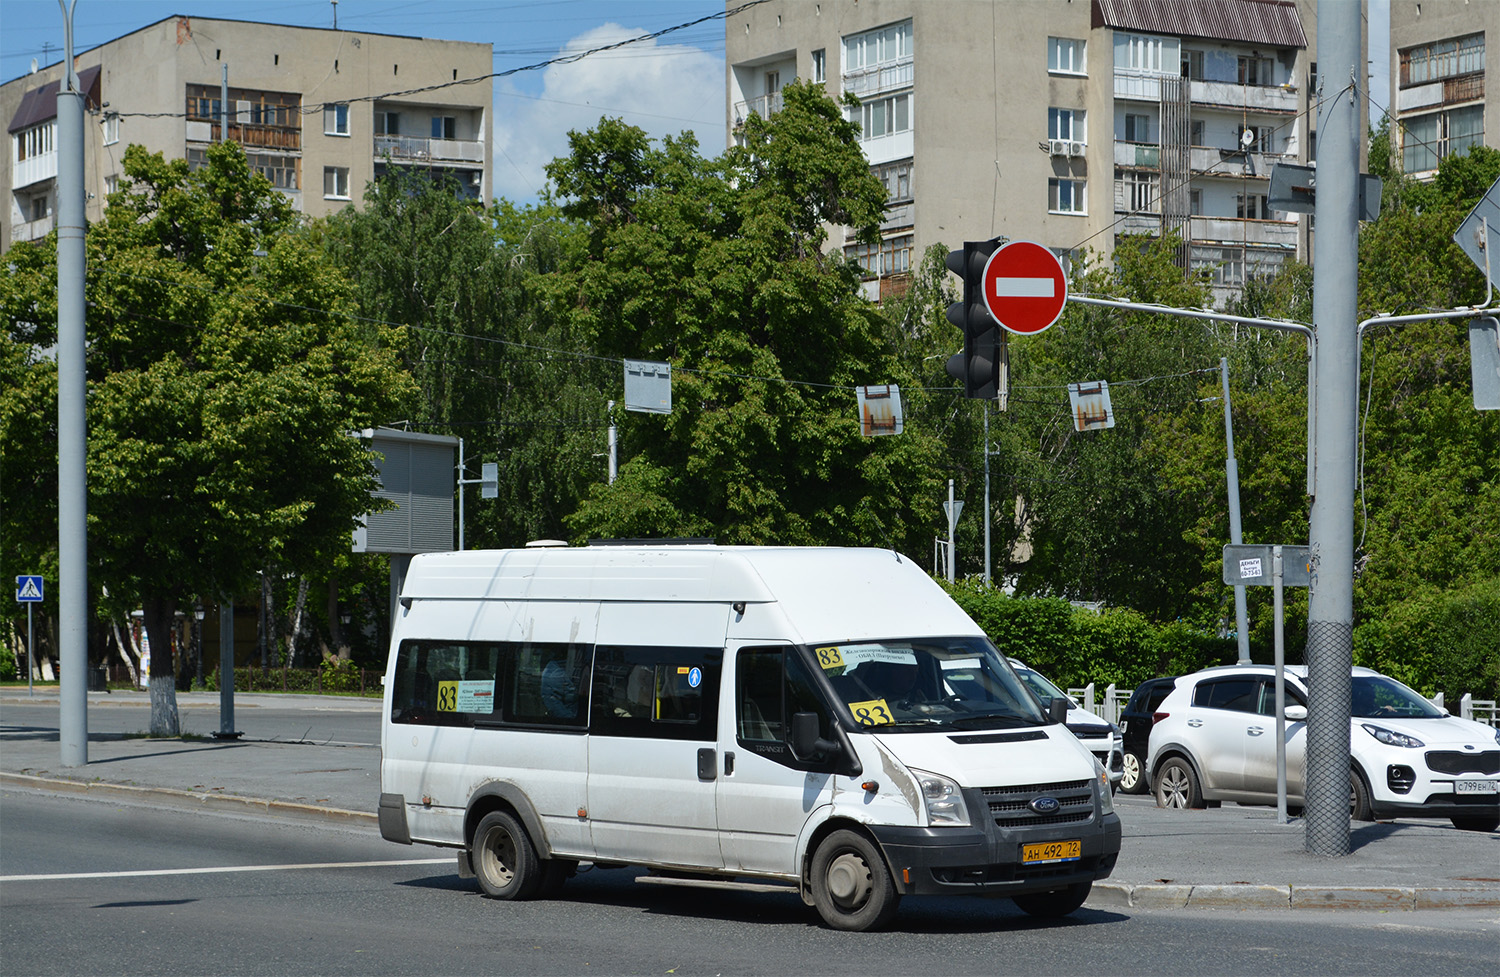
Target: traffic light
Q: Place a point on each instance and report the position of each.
(979, 365)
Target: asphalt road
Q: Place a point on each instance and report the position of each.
(215, 893)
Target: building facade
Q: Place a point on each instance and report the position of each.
(1437, 99)
(1072, 123)
(319, 112)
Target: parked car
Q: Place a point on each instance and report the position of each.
(1210, 743)
(1135, 732)
(1100, 735)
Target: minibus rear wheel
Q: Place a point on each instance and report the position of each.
(851, 885)
(503, 858)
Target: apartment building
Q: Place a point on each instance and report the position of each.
(1072, 123)
(1437, 102)
(319, 112)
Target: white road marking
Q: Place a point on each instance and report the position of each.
(1025, 288)
(221, 868)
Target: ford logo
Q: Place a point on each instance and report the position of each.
(1045, 805)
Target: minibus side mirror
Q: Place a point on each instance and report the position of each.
(806, 743)
(1057, 711)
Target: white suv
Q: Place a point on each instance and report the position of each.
(1098, 735)
(1214, 739)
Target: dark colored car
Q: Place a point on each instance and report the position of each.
(1135, 730)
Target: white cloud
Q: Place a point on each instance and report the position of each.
(662, 88)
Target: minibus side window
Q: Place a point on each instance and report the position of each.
(775, 684)
(656, 692)
(444, 684)
(549, 684)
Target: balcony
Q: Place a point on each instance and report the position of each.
(881, 78)
(33, 230)
(1145, 86)
(34, 170)
(284, 138)
(1235, 230)
(1229, 162)
(1257, 98)
(764, 106)
(400, 148)
(1139, 155)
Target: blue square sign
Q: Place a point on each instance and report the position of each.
(28, 589)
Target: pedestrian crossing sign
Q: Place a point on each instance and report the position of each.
(28, 589)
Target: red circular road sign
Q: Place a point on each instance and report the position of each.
(1024, 287)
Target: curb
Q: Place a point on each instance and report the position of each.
(189, 798)
(1156, 895)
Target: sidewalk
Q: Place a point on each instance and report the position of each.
(1230, 857)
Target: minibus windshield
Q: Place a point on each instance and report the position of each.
(921, 684)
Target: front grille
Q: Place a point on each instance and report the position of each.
(1455, 762)
(1008, 804)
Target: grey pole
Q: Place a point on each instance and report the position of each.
(986, 492)
(952, 521)
(1330, 613)
(224, 103)
(614, 445)
(461, 494)
(1279, 598)
(72, 428)
(1232, 475)
(226, 672)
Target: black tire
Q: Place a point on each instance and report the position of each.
(1132, 781)
(851, 886)
(504, 859)
(1477, 822)
(1359, 798)
(1176, 785)
(1053, 904)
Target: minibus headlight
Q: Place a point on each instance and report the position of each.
(945, 801)
(1101, 777)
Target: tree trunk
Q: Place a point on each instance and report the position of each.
(157, 619)
(291, 640)
(132, 657)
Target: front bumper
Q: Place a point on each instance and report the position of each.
(986, 857)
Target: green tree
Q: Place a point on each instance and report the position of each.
(720, 268)
(224, 376)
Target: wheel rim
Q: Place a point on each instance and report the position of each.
(1174, 787)
(1132, 772)
(849, 882)
(497, 856)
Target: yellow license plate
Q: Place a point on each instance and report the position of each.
(1051, 851)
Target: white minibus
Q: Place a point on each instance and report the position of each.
(822, 720)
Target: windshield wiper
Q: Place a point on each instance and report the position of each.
(992, 721)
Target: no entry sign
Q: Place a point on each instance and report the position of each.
(1024, 287)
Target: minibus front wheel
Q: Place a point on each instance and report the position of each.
(503, 858)
(851, 886)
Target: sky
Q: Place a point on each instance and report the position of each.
(665, 86)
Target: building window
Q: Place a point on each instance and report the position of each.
(111, 126)
(36, 141)
(40, 208)
(820, 65)
(1066, 124)
(1256, 71)
(1140, 192)
(336, 182)
(892, 256)
(1428, 138)
(1192, 65)
(388, 123)
(882, 116)
(1138, 128)
(1442, 59)
(1148, 53)
(1196, 129)
(874, 48)
(1066, 196)
(1251, 206)
(1195, 203)
(1065, 56)
(336, 120)
(897, 179)
(444, 127)
(111, 185)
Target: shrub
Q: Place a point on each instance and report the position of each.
(8, 669)
(340, 675)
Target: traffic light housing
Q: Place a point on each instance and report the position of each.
(979, 365)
